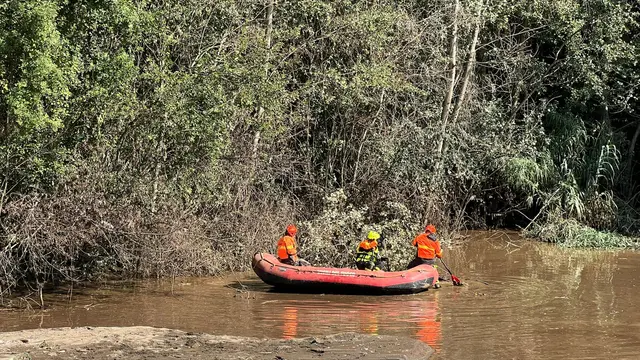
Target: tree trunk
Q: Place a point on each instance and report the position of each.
(161, 147)
(3, 196)
(629, 166)
(269, 22)
(446, 105)
(256, 137)
(6, 128)
(467, 72)
(156, 175)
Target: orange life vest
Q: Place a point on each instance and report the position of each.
(368, 245)
(286, 247)
(427, 249)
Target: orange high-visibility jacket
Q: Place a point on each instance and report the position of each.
(367, 245)
(427, 248)
(286, 247)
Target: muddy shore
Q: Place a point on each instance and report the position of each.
(148, 343)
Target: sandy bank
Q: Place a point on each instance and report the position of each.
(149, 343)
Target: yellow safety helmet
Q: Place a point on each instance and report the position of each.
(373, 235)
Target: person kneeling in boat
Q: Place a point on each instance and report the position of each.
(287, 251)
(368, 255)
(428, 248)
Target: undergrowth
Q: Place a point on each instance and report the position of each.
(570, 233)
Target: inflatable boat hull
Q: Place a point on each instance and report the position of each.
(342, 280)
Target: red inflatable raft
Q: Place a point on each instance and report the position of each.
(344, 280)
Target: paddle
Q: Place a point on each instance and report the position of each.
(454, 278)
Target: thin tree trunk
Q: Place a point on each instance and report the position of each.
(254, 150)
(256, 138)
(156, 179)
(6, 129)
(632, 149)
(446, 106)
(3, 195)
(156, 176)
(257, 135)
(467, 73)
(269, 22)
(161, 148)
(364, 136)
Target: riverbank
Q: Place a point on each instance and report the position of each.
(143, 342)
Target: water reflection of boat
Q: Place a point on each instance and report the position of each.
(368, 321)
(427, 315)
(341, 280)
(419, 318)
(290, 325)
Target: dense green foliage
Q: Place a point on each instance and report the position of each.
(171, 137)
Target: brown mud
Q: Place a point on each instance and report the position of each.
(147, 343)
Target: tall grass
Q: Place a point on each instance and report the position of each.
(573, 234)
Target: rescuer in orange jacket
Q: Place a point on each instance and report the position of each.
(287, 249)
(428, 248)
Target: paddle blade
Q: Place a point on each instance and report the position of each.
(455, 280)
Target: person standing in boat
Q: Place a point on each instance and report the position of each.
(368, 254)
(287, 248)
(428, 248)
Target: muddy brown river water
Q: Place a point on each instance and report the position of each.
(521, 300)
